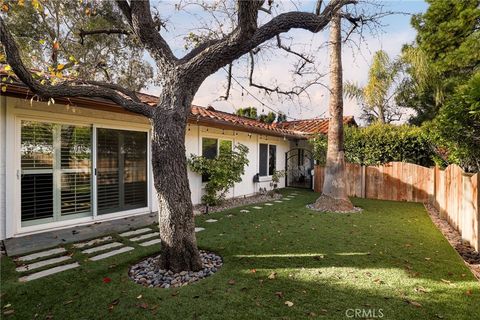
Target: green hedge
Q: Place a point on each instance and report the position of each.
(381, 143)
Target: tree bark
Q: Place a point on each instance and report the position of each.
(334, 195)
(175, 211)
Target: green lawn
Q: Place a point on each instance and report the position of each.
(389, 257)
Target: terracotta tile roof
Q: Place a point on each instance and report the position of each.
(312, 126)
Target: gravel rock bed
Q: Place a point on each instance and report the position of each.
(237, 202)
(147, 274)
(469, 255)
(355, 209)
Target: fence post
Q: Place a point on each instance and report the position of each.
(433, 195)
(477, 244)
(363, 186)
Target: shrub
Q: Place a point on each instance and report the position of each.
(223, 172)
(381, 143)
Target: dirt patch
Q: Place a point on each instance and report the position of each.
(469, 255)
(237, 202)
(328, 204)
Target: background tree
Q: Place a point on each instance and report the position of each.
(55, 32)
(249, 112)
(448, 47)
(377, 97)
(180, 79)
(334, 195)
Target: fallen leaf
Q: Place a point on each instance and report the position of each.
(8, 312)
(231, 282)
(421, 289)
(143, 306)
(107, 280)
(428, 259)
(272, 275)
(289, 303)
(253, 270)
(312, 314)
(416, 304)
(67, 302)
(468, 292)
(279, 294)
(113, 304)
(139, 297)
(7, 306)
(446, 281)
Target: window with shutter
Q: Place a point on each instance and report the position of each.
(56, 172)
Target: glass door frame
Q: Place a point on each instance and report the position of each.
(13, 170)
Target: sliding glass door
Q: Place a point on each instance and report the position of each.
(57, 165)
(55, 172)
(121, 170)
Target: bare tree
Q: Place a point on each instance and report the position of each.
(180, 80)
(334, 193)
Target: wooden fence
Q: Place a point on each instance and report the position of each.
(453, 192)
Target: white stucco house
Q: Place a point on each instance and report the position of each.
(80, 161)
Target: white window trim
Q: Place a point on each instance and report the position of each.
(268, 177)
(212, 136)
(13, 169)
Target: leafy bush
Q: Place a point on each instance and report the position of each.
(456, 129)
(223, 172)
(381, 143)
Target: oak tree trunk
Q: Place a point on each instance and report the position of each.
(334, 194)
(176, 221)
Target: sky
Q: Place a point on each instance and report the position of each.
(274, 67)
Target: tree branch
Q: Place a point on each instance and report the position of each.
(296, 90)
(84, 33)
(234, 45)
(64, 90)
(140, 19)
(229, 83)
(288, 49)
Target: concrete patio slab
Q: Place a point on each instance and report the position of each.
(41, 254)
(211, 220)
(42, 263)
(145, 236)
(25, 244)
(48, 272)
(150, 242)
(111, 253)
(103, 248)
(258, 208)
(92, 242)
(135, 232)
(244, 211)
(268, 204)
(198, 229)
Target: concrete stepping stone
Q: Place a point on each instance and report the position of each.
(198, 229)
(151, 242)
(278, 201)
(42, 263)
(244, 211)
(48, 272)
(91, 242)
(41, 254)
(135, 232)
(211, 220)
(287, 199)
(103, 248)
(145, 236)
(258, 208)
(111, 253)
(268, 204)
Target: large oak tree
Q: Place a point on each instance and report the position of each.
(180, 77)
